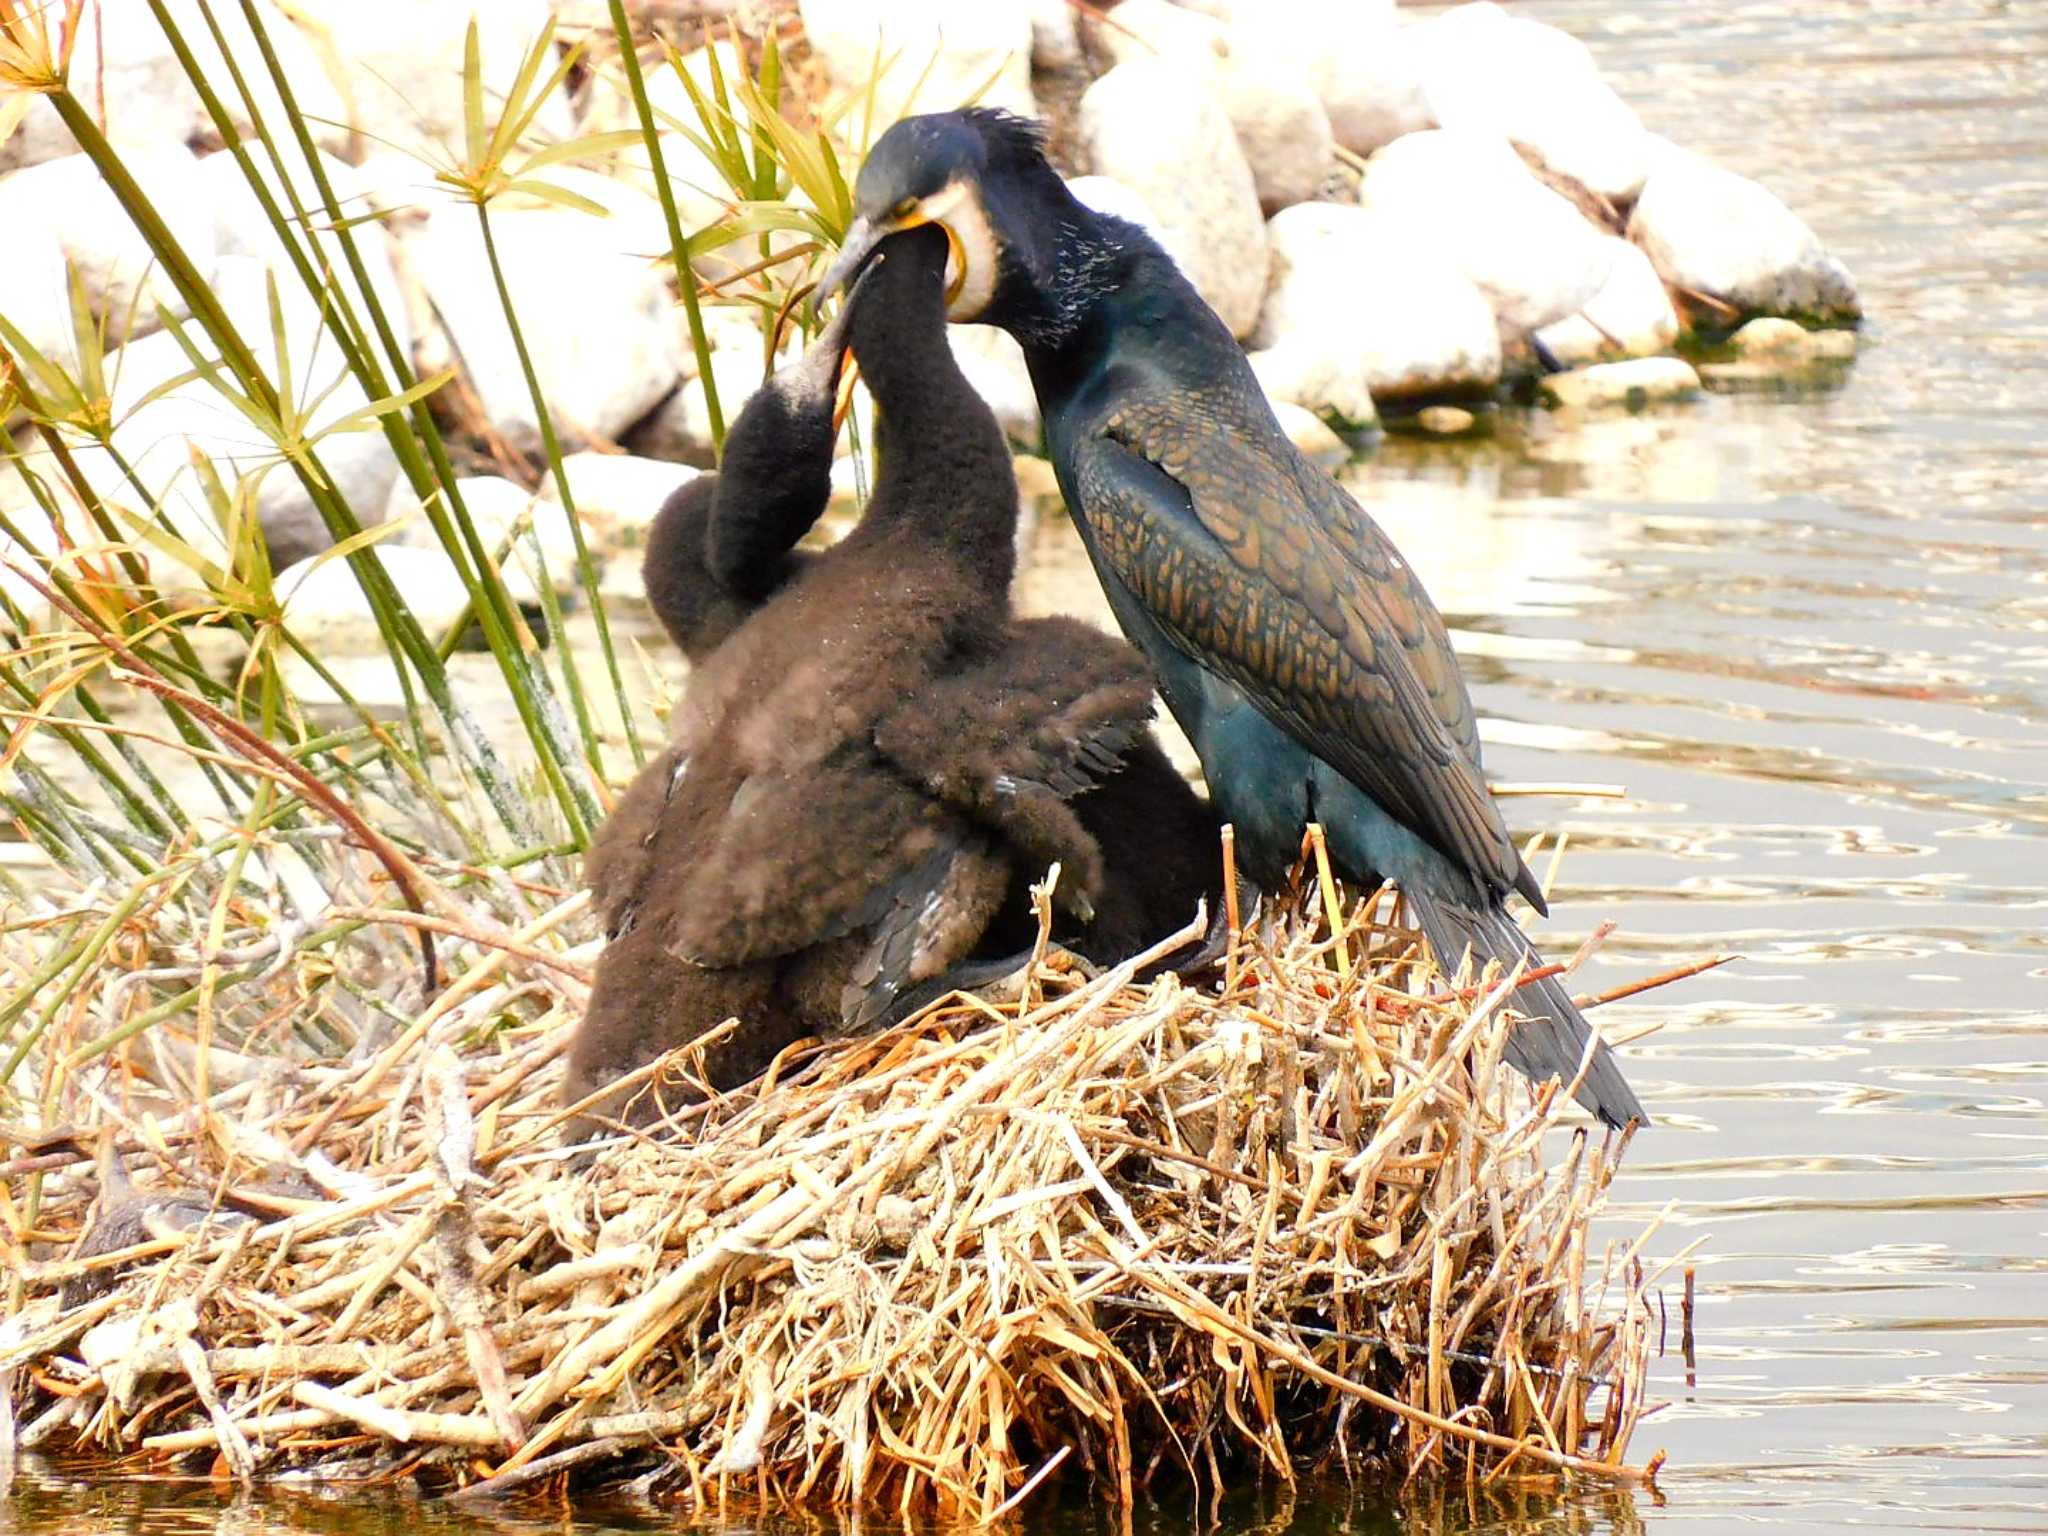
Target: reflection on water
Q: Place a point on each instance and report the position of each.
(1810, 635)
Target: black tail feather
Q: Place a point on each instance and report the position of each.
(1551, 1038)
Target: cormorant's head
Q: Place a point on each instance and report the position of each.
(951, 169)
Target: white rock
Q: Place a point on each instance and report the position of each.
(994, 365)
(943, 53)
(398, 186)
(1279, 120)
(1318, 382)
(1354, 310)
(1256, 74)
(1055, 42)
(1631, 315)
(135, 89)
(1308, 432)
(527, 535)
(700, 190)
(535, 535)
(39, 545)
(1367, 74)
(619, 493)
(727, 328)
(852, 482)
(359, 463)
(1175, 148)
(1625, 386)
(596, 322)
(1314, 20)
(243, 233)
(34, 297)
(115, 264)
(400, 65)
(325, 607)
(1768, 336)
(40, 137)
(1789, 341)
(1468, 199)
(1149, 29)
(1445, 420)
(1489, 72)
(1717, 233)
(159, 439)
(632, 223)
(679, 428)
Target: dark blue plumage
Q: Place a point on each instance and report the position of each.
(1292, 642)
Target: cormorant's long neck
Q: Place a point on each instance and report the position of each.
(1088, 289)
(942, 463)
(775, 478)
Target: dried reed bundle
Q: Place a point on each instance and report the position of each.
(1119, 1230)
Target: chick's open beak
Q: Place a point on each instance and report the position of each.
(849, 375)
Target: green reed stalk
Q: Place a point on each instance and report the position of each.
(493, 606)
(430, 473)
(679, 243)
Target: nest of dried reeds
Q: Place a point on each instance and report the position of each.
(1128, 1231)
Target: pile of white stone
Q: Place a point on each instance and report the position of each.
(1224, 126)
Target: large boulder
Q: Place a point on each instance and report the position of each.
(160, 439)
(127, 77)
(678, 429)
(326, 611)
(115, 265)
(1259, 76)
(526, 534)
(34, 296)
(1148, 29)
(1354, 312)
(1280, 122)
(1713, 232)
(1488, 72)
(1368, 75)
(1631, 315)
(1174, 147)
(1467, 199)
(935, 55)
(994, 365)
(596, 321)
(617, 494)
(397, 66)
(700, 190)
(243, 233)
(1055, 40)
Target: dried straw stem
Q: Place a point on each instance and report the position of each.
(1122, 1231)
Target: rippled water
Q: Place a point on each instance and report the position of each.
(1810, 636)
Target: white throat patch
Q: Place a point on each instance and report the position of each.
(971, 265)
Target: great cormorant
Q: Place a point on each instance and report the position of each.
(1292, 642)
(873, 759)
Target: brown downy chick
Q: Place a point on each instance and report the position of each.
(873, 758)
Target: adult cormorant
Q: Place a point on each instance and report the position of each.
(1292, 642)
(873, 758)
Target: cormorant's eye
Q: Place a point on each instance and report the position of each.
(904, 208)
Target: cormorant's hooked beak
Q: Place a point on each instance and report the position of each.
(862, 236)
(865, 233)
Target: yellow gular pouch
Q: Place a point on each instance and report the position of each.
(971, 248)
